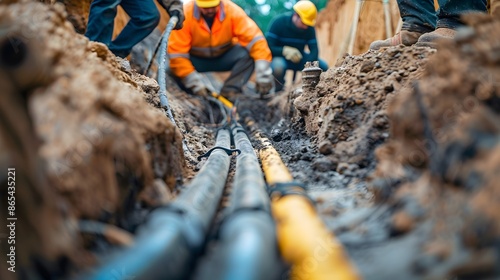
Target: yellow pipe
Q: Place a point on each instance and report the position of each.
(303, 239)
(222, 99)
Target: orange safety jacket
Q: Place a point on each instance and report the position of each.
(231, 26)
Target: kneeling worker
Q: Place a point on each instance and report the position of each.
(218, 36)
(288, 36)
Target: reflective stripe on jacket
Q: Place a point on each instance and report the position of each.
(231, 26)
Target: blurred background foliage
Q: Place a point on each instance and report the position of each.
(263, 11)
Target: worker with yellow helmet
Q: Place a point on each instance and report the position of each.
(288, 36)
(219, 36)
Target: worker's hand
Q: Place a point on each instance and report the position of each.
(194, 82)
(174, 8)
(180, 16)
(263, 77)
(292, 54)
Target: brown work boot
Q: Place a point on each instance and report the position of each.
(404, 37)
(430, 39)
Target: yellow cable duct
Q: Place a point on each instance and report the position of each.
(304, 241)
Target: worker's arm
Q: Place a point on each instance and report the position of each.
(174, 8)
(312, 44)
(273, 39)
(179, 45)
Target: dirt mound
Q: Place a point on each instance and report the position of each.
(346, 111)
(91, 145)
(444, 155)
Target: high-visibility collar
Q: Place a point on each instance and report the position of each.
(221, 13)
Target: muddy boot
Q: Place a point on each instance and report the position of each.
(404, 37)
(431, 39)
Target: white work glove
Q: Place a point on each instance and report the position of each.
(292, 54)
(263, 77)
(194, 82)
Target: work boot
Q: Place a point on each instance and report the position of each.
(404, 37)
(431, 39)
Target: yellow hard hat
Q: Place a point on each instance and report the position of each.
(306, 11)
(207, 3)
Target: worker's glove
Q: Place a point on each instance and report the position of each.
(292, 54)
(263, 77)
(174, 8)
(194, 82)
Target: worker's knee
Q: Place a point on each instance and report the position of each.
(240, 53)
(279, 66)
(148, 19)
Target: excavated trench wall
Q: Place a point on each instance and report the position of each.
(76, 125)
(432, 119)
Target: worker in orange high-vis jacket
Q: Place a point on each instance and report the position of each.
(218, 36)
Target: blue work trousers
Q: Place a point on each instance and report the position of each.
(420, 15)
(144, 17)
(280, 65)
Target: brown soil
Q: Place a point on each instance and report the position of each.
(100, 144)
(399, 148)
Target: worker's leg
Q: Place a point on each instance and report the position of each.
(418, 17)
(144, 17)
(101, 20)
(449, 20)
(237, 60)
(450, 11)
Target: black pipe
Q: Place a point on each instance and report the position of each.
(172, 238)
(247, 247)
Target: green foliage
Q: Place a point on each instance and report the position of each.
(263, 11)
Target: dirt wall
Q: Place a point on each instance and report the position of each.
(444, 155)
(76, 124)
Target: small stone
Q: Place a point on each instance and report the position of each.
(389, 88)
(367, 66)
(342, 167)
(325, 147)
(277, 135)
(402, 222)
(323, 164)
(306, 157)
